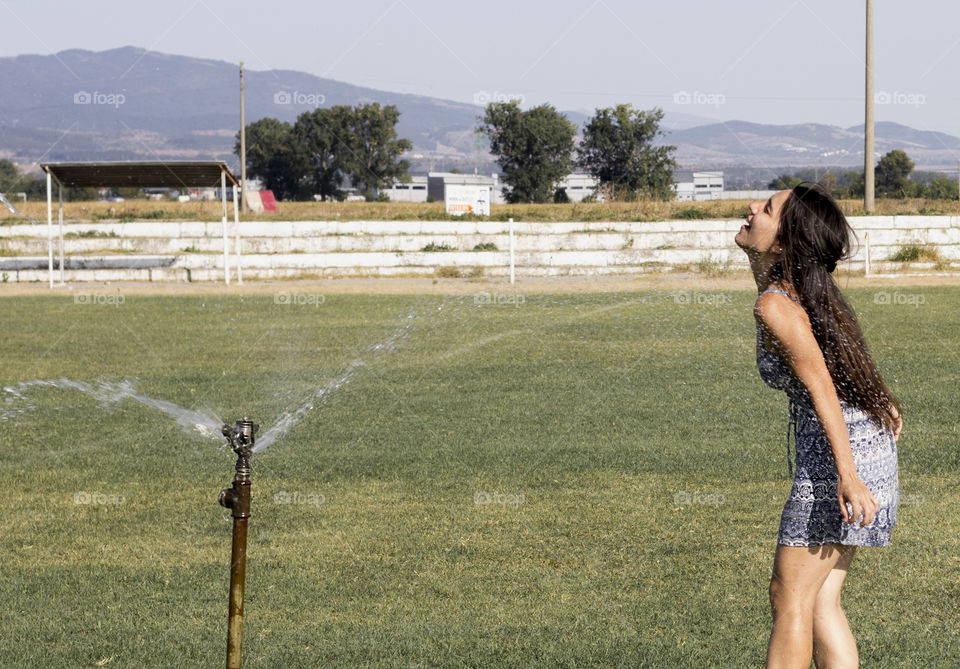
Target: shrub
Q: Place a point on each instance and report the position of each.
(915, 253)
(449, 272)
(433, 246)
(87, 234)
(691, 213)
(714, 268)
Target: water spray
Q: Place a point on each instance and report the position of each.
(237, 498)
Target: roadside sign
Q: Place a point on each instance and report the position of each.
(462, 199)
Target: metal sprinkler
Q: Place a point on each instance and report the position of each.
(237, 498)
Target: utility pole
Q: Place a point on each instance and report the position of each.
(868, 203)
(243, 149)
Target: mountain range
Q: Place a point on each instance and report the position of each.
(130, 103)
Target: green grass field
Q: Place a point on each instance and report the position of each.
(506, 486)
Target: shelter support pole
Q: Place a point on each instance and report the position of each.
(236, 227)
(226, 241)
(50, 228)
(60, 218)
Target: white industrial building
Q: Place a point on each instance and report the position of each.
(579, 186)
(701, 186)
(414, 190)
(698, 186)
(433, 185)
(690, 187)
(437, 182)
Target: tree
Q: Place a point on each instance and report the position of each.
(370, 160)
(785, 182)
(850, 185)
(829, 182)
(892, 174)
(323, 138)
(325, 147)
(618, 149)
(8, 174)
(533, 148)
(940, 189)
(275, 155)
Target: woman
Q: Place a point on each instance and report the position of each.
(844, 418)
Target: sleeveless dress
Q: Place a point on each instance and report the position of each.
(811, 515)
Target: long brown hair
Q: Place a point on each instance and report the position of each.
(814, 235)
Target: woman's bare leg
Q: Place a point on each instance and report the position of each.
(798, 574)
(833, 644)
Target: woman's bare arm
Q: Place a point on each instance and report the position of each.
(790, 326)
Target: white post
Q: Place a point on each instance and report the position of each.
(223, 199)
(866, 263)
(60, 217)
(49, 228)
(512, 278)
(236, 227)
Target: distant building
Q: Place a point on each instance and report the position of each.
(700, 186)
(579, 186)
(697, 186)
(437, 181)
(684, 191)
(205, 194)
(433, 185)
(414, 190)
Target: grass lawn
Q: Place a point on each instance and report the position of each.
(498, 484)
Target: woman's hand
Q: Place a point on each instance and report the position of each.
(898, 423)
(860, 498)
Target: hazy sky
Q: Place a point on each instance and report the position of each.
(783, 62)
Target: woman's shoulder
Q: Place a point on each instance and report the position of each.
(775, 294)
(780, 289)
(776, 307)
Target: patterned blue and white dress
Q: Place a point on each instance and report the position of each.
(811, 515)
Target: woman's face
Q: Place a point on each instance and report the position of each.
(759, 234)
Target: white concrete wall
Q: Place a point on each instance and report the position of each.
(386, 248)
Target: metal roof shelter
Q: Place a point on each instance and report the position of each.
(149, 174)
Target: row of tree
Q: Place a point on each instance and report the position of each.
(893, 178)
(326, 148)
(535, 149)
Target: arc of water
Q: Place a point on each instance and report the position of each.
(207, 424)
(205, 421)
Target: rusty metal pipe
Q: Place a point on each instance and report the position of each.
(237, 499)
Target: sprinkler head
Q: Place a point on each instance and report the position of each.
(241, 435)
